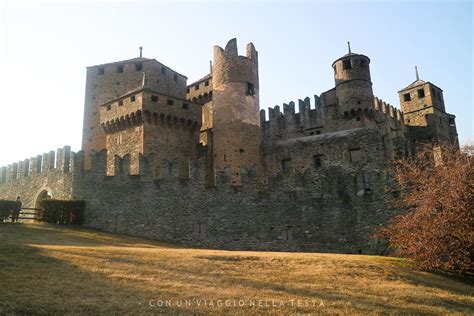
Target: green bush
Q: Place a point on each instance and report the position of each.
(6, 208)
(62, 212)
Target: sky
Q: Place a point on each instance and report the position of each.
(46, 47)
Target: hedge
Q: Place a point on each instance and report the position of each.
(6, 207)
(62, 212)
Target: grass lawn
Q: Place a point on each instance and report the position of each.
(48, 269)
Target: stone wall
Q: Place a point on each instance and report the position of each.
(44, 173)
(333, 207)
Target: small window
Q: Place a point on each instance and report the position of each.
(311, 133)
(120, 69)
(206, 83)
(100, 70)
(451, 121)
(109, 107)
(185, 106)
(285, 164)
(318, 132)
(175, 78)
(154, 98)
(138, 66)
(250, 89)
(196, 87)
(163, 70)
(187, 90)
(356, 155)
(120, 103)
(132, 98)
(170, 102)
(406, 97)
(346, 64)
(421, 93)
(318, 160)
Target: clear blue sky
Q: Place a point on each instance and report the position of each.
(44, 49)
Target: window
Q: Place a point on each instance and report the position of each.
(187, 90)
(406, 97)
(206, 83)
(356, 155)
(132, 98)
(170, 102)
(285, 164)
(109, 107)
(421, 93)
(175, 78)
(185, 106)
(138, 66)
(287, 234)
(163, 70)
(120, 69)
(100, 70)
(196, 87)
(318, 132)
(154, 98)
(451, 121)
(318, 160)
(120, 103)
(250, 89)
(346, 64)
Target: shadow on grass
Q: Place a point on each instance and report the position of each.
(35, 283)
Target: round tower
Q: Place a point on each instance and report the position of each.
(353, 85)
(236, 127)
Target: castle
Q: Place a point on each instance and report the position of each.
(200, 164)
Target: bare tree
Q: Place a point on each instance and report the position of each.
(437, 190)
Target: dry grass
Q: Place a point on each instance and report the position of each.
(55, 270)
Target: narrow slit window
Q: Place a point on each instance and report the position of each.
(250, 89)
(346, 64)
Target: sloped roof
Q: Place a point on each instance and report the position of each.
(206, 77)
(418, 83)
(137, 59)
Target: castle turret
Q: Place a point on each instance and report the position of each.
(236, 127)
(422, 104)
(353, 84)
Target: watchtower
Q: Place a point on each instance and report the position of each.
(236, 127)
(422, 104)
(353, 84)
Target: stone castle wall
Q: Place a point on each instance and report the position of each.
(333, 207)
(50, 172)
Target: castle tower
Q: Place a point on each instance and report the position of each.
(236, 123)
(109, 81)
(353, 84)
(422, 104)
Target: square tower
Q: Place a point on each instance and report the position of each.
(422, 104)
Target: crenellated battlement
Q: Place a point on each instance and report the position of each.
(391, 112)
(307, 118)
(59, 162)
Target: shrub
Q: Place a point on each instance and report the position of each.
(6, 207)
(437, 231)
(62, 212)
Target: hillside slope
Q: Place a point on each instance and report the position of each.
(48, 269)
